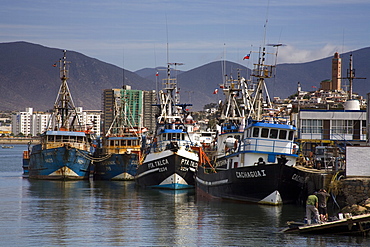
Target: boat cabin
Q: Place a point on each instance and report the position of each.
(122, 144)
(269, 138)
(55, 139)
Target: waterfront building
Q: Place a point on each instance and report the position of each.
(333, 125)
(137, 107)
(31, 123)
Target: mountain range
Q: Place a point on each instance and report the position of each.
(29, 79)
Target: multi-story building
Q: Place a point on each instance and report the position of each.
(137, 107)
(90, 118)
(21, 122)
(31, 123)
(334, 125)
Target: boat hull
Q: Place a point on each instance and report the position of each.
(272, 184)
(60, 163)
(25, 167)
(117, 167)
(168, 170)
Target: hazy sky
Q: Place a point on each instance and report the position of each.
(134, 33)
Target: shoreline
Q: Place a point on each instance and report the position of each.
(5, 141)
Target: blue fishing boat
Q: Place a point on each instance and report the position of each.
(64, 151)
(121, 153)
(170, 161)
(121, 148)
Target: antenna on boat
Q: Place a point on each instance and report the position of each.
(263, 71)
(177, 95)
(351, 76)
(123, 69)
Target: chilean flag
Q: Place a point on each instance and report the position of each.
(216, 91)
(246, 57)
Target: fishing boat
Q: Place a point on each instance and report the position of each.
(121, 147)
(169, 161)
(255, 146)
(64, 151)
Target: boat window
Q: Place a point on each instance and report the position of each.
(256, 132)
(116, 143)
(273, 133)
(129, 143)
(50, 138)
(58, 138)
(265, 132)
(111, 143)
(182, 137)
(291, 135)
(282, 134)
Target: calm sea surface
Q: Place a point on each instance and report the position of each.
(102, 213)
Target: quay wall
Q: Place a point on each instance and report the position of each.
(355, 189)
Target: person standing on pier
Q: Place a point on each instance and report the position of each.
(322, 195)
(311, 207)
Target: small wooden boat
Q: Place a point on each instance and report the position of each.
(7, 147)
(351, 225)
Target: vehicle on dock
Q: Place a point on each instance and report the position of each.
(64, 151)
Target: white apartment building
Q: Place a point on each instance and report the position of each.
(33, 123)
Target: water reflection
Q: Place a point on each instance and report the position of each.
(119, 213)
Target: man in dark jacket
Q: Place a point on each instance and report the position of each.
(322, 195)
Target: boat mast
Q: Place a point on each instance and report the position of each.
(351, 76)
(261, 71)
(64, 113)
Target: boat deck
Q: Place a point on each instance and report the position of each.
(354, 225)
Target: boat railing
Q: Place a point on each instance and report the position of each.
(268, 145)
(82, 146)
(169, 144)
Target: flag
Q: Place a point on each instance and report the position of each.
(314, 87)
(216, 91)
(157, 74)
(55, 65)
(246, 57)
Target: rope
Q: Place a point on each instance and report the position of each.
(91, 158)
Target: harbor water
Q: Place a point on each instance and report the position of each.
(117, 213)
